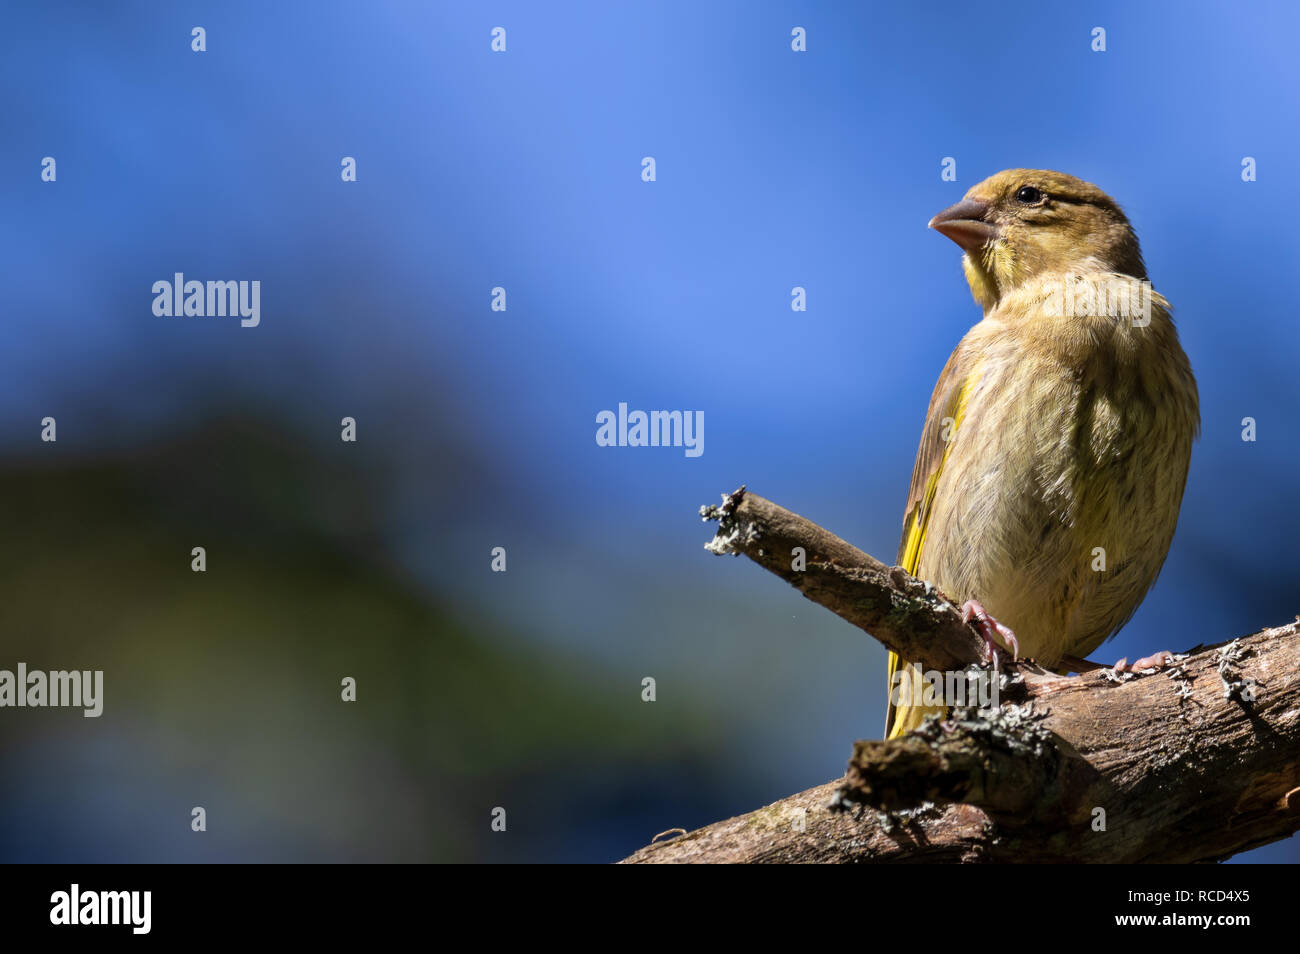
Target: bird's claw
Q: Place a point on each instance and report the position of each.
(989, 628)
(1154, 661)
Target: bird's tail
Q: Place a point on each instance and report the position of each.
(902, 717)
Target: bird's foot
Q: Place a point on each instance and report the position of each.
(990, 629)
(1154, 661)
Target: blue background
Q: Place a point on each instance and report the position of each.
(522, 170)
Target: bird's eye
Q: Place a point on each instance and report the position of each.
(1028, 195)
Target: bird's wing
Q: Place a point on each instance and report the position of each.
(947, 407)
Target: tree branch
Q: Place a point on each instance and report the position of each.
(907, 615)
(1192, 763)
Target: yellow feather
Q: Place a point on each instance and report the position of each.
(900, 719)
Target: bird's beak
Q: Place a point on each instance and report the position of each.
(964, 224)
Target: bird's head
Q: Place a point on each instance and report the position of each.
(1022, 223)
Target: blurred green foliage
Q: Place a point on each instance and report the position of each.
(222, 688)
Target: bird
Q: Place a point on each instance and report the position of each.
(1056, 447)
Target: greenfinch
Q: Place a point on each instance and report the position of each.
(1052, 463)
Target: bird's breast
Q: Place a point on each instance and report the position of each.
(1059, 496)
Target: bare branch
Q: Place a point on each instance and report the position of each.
(907, 615)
